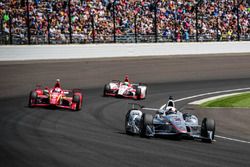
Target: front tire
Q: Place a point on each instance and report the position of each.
(106, 89)
(146, 120)
(207, 125)
(32, 98)
(77, 100)
(126, 123)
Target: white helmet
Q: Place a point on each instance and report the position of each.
(58, 90)
(171, 110)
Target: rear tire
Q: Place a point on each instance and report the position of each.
(138, 93)
(146, 120)
(207, 125)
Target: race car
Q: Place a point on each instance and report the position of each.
(168, 122)
(56, 97)
(125, 89)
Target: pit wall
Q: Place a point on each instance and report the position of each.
(44, 52)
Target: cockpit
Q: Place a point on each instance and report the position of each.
(57, 90)
(166, 111)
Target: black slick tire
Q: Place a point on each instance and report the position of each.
(146, 120)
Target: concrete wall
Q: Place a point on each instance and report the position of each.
(42, 52)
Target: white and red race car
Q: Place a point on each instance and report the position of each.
(125, 89)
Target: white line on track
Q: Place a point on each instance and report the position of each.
(213, 93)
(232, 139)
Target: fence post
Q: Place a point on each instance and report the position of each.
(135, 25)
(155, 21)
(218, 17)
(238, 22)
(10, 29)
(28, 20)
(114, 18)
(48, 27)
(93, 27)
(175, 26)
(1, 27)
(238, 19)
(69, 17)
(196, 23)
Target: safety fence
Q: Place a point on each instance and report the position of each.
(27, 33)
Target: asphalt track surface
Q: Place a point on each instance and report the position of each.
(95, 135)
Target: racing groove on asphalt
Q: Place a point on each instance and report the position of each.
(95, 135)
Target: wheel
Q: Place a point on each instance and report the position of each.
(211, 126)
(76, 99)
(146, 120)
(126, 123)
(106, 89)
(207, 125)
(32, 98)
(138, 93)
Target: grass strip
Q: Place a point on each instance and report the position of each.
(235, 101)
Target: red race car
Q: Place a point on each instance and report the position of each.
(57, 97)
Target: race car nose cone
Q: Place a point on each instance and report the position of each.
(53, 101)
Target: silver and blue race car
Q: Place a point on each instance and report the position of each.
(167, 121)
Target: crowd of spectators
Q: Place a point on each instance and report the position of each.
(176, 20)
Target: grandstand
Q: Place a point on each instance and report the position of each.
(106, 21)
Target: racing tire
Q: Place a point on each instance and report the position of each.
(106, 89)
(146, 120)
(32, 97)
(126, 123)
(76, 99)
(138, 93)
(207, 125)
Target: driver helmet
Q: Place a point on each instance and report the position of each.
(126, 83)
(170, 110)
(57, 90)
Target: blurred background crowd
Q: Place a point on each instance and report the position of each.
(86, 21)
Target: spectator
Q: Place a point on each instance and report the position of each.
(175, 19)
